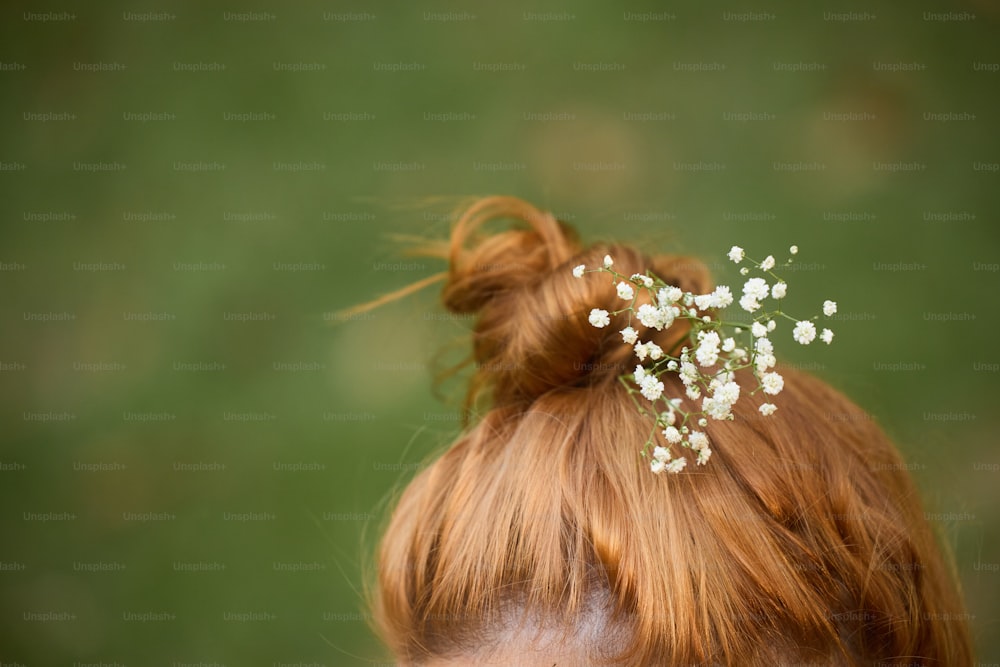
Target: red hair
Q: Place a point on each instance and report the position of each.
(802, 541)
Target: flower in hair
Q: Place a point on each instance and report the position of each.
(677, 464)
(599, 318)
(639, 278)
(804, 332)
(626, 292)
(651, 387)
(772, 383)
(716, 350)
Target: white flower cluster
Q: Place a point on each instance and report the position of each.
(718, 349)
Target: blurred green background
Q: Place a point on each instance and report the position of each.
(197, 451)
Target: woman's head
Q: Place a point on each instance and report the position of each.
(540, 534)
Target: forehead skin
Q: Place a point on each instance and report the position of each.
(541, 644)
(523, 638)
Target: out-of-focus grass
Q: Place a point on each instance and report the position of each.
(215, 478)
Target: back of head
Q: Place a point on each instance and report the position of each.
(541, 532)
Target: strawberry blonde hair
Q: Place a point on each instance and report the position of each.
(803, 541)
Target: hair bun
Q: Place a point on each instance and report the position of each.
(532, 333)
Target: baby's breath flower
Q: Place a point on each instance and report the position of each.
(765, 361)
(720, 298)
(698, 440)
(756, 287)
(599, 318)
(715, 409)
(650, 349)
(721, 378)
(625, 291)
(723, 296)
(669, 295)
(656, 318)
(648, 315)
(708, 349)
(748, 303)
(772, 383)
(728, 392)
(713, 343)
(720, 404)
(794, 250)
(651, 388)
(677, 464)
(804, 332)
